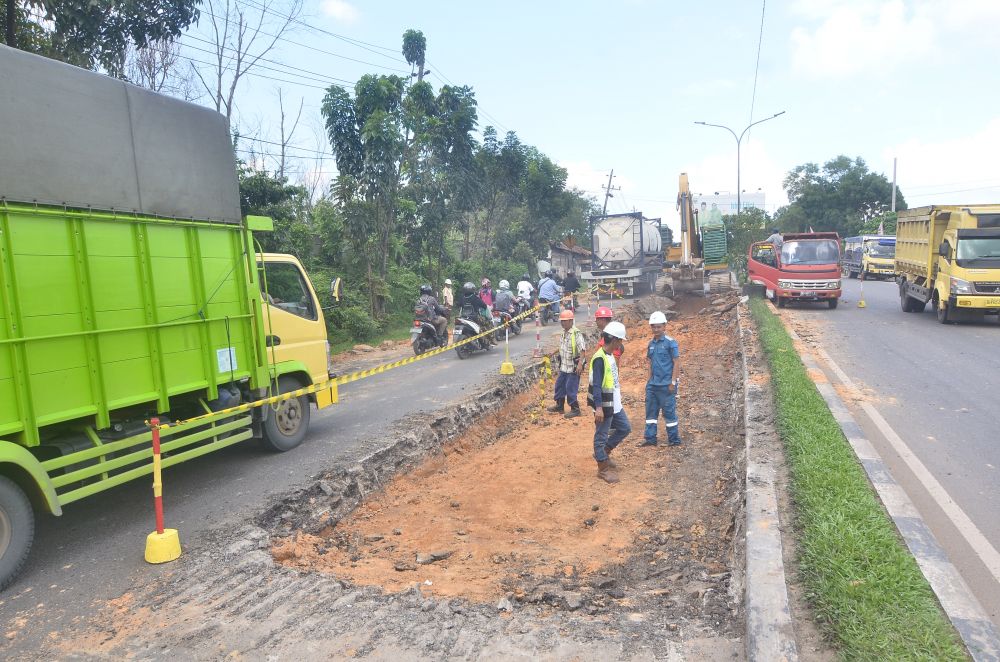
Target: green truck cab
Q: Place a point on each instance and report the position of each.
(949, 256)
(130, 288)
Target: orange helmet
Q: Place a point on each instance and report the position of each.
(566, 315)
(604, 311)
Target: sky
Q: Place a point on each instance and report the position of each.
(598, 85)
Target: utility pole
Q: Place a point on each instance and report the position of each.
(894, 184)
(607, 192)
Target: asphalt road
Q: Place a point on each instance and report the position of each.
(938, 387)
(94, 551)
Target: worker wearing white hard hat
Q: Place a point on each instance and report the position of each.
(611, 423)
(447, 296)
(661, 387)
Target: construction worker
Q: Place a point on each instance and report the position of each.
(571, 348)
(447, 296)
(602, 316)
(661, 387)
(605, 396)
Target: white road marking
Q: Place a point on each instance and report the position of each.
(986, 552)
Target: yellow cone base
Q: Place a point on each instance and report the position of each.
(163, 547)
(506, 368)
(861, 304)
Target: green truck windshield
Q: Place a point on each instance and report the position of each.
(822, 251)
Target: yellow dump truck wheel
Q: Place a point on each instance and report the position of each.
(287, 422)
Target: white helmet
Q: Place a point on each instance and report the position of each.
(657, 318)
(615, 329)
(447, 281)
(504, 285)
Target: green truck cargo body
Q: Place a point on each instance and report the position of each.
(102, 313)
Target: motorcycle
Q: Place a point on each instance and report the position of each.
(501, 317)
(465, 329)
(424, 337)
(549, 310)
(521, 306)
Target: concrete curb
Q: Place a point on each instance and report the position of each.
(769, 635)
(980, 636)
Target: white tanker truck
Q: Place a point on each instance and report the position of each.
(626, 252)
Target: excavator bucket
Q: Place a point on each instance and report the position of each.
(687, 279)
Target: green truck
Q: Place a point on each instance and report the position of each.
(130, 288)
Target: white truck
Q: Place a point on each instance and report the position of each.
(626, 252)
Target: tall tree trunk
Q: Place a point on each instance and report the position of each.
(10, 23)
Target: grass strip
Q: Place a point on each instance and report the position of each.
(865, 586)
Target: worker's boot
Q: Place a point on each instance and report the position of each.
(573, 412)
(606, 472)
(611, 461)
(558, 407)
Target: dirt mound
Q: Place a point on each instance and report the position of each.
(524, 517)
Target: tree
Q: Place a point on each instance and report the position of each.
(837, 197)
(157, 67)
(366, 137)
(742, 230)
(243, 33)
(95, 33)
(415, 50)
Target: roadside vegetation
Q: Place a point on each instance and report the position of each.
(866, 588)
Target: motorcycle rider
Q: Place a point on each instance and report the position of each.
(525, 289)
(571, 285)
(486, 293)
(505, 298)
(474, 308)
(428, 310)
(549, 290)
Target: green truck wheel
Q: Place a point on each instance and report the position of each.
(17, 530)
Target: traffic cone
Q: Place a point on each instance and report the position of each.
(861, 301)
(506, 368)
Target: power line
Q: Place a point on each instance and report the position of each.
(354, 42)
(313, 48)
(760, 41)
(961, 190)
(479, 106)
(308, 75)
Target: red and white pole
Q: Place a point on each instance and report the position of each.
(163, 544)
(537, 353)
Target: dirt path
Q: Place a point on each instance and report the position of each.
(535, 557)
(524, 518)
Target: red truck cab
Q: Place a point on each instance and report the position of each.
(806, 267)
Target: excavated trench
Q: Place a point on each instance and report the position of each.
(484, 505)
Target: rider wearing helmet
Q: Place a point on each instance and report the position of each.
(427, 309)
(505, 298)
(472, 305)
(610, 421)
(486, 293)
(525, 289)
(571, 349)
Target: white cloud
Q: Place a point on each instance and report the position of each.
(845, 37)
(341, 10)
(955, 171)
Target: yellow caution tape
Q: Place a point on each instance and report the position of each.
(346, 379)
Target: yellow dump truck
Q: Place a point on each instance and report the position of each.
(950, 256)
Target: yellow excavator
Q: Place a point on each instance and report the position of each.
(703, 264)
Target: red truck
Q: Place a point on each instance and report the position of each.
(805, 267)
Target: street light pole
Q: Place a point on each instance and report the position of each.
(739, 140)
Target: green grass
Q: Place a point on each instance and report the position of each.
(398, 329)
(862, 582)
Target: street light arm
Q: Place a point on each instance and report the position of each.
(721, 127)
(758, 122)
